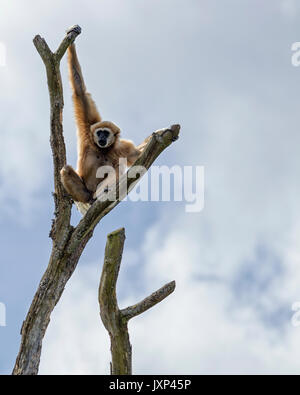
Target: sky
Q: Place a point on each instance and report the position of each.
(223, 71)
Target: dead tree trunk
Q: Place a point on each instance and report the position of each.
(114, 319)
(68, 241)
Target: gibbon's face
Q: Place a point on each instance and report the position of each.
(105, 133)
(104, 137)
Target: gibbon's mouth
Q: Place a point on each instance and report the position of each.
(102, 143)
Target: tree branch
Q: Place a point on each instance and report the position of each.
(60, 266)
(115, 320)
(72, 33)
(109, 311)
(112, 261)
(150, 301)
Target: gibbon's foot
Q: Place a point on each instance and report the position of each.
(74, 28)
(74, 185)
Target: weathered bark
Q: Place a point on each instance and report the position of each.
(114, 319)
(60, 265)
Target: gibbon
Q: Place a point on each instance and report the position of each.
(99, 142)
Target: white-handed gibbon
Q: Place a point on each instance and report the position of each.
(99, 142)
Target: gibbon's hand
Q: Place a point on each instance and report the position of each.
(74, 28)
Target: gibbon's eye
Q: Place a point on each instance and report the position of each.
(103, 133)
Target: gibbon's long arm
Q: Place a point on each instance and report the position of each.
(86, 113)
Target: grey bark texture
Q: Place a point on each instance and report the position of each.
(68, 242)
(114, 319)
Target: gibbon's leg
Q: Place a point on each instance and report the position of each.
(129, 151)
(74, 185)
(142, 146)
(133, 155)
(135, 152)
(86, 113)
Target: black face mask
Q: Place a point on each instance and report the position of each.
(102, 137)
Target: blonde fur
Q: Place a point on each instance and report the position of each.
(82, 184)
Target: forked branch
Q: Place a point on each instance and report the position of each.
(115, 320)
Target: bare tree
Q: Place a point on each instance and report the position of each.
(114, 319)
(68, 242)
